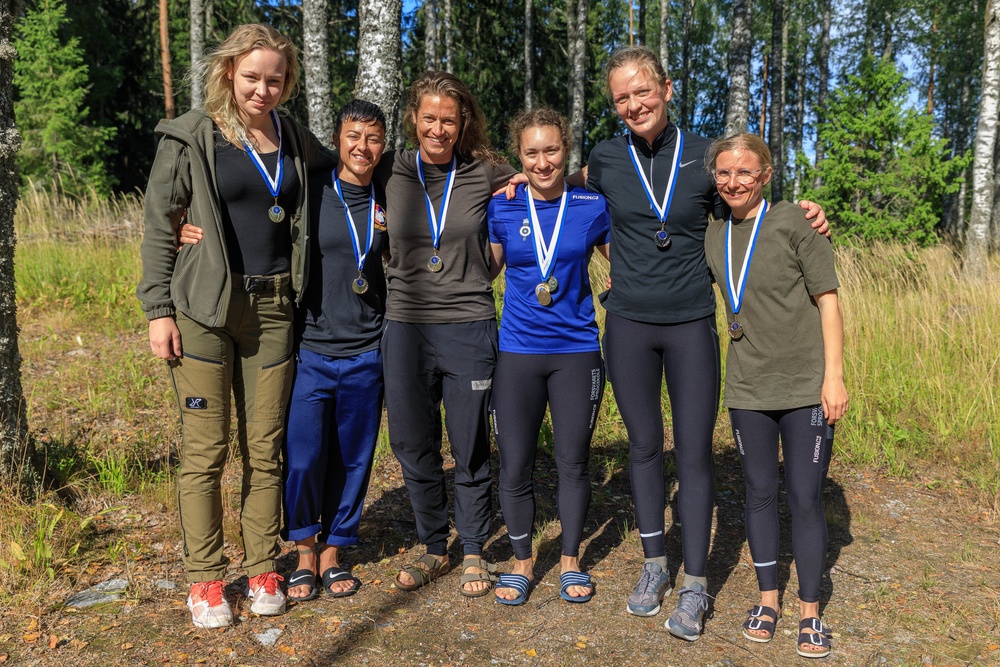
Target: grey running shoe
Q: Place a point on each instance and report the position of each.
(685, 622)
(653, 585)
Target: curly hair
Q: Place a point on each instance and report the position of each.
(537, 117)
(220, 103)
(473, 142)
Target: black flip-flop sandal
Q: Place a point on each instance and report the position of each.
(332, 575)
(303, 578)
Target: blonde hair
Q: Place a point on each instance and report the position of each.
(750, 143)
(220, 103)
(537, 117)
(640, 56)
(473, 142)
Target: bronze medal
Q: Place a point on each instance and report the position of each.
(735, 330)
(543, 294)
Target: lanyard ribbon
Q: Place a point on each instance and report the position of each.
(736, 291)
(662, 210)
(436, 222)
(273, 184)
(544, 254)
(359, 256)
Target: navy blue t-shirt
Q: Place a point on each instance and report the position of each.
(567, 325)
(333, 320)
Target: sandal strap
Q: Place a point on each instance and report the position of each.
(812, 631)
(487, 573)
(421, 576)
(567, 579)
(518, 582)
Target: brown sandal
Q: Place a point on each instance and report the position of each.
(431, 570)
(468, 577)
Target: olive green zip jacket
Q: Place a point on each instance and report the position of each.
(196, 280)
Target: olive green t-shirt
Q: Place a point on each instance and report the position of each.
(778, 363)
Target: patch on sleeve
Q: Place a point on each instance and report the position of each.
(482, 385)
(380, 221)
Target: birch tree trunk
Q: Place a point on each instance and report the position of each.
(824, 78)
(316, 63)
(664, 35)
(578, 49)
(379, 77)
(686, 99)
(168, 78)
(776, 130)
(529, 55)
(197, 15)
(449, 38)
(800, 105)
(738, 104)
(430, 35)
(17, 455)
(977, 237)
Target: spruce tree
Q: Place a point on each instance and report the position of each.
(885, 175)
(59, 150)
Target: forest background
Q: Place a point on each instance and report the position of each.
(884, 111)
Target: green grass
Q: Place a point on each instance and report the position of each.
(922, 368)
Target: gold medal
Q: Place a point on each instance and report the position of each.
(434, 264)
(276, 213)
(360, 284)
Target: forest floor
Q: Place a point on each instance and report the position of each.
(914, 579)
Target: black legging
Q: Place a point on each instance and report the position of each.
(806, 440)
(638, 356)
(572, 385)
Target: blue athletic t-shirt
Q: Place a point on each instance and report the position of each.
(567, 325)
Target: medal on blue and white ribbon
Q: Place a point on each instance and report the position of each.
(359, 284)
(275, 213)
(661, 238)
(545, 254)
(737, 289)
(436, 222)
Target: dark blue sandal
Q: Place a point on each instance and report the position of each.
(567, 579)
(813, 632)
(517, 582)
(334, 574)
(756, 622)
(304, 577)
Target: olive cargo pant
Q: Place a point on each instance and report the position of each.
(250, 358)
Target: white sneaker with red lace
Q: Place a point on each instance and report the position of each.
(265, 592)
(208, 605)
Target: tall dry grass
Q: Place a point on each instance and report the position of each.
(922, 366)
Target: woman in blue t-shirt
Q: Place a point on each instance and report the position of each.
(549, 350)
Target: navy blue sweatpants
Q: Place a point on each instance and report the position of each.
(333, 423)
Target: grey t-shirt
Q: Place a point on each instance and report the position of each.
(778, 363)
(462, 291)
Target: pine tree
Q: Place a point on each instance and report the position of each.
(885, 176)
(59, 149)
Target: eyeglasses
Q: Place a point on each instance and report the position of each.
(743, 176)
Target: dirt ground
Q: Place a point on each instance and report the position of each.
(913, 580)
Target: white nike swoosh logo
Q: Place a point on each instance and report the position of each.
(294, 579)
(684, 164)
